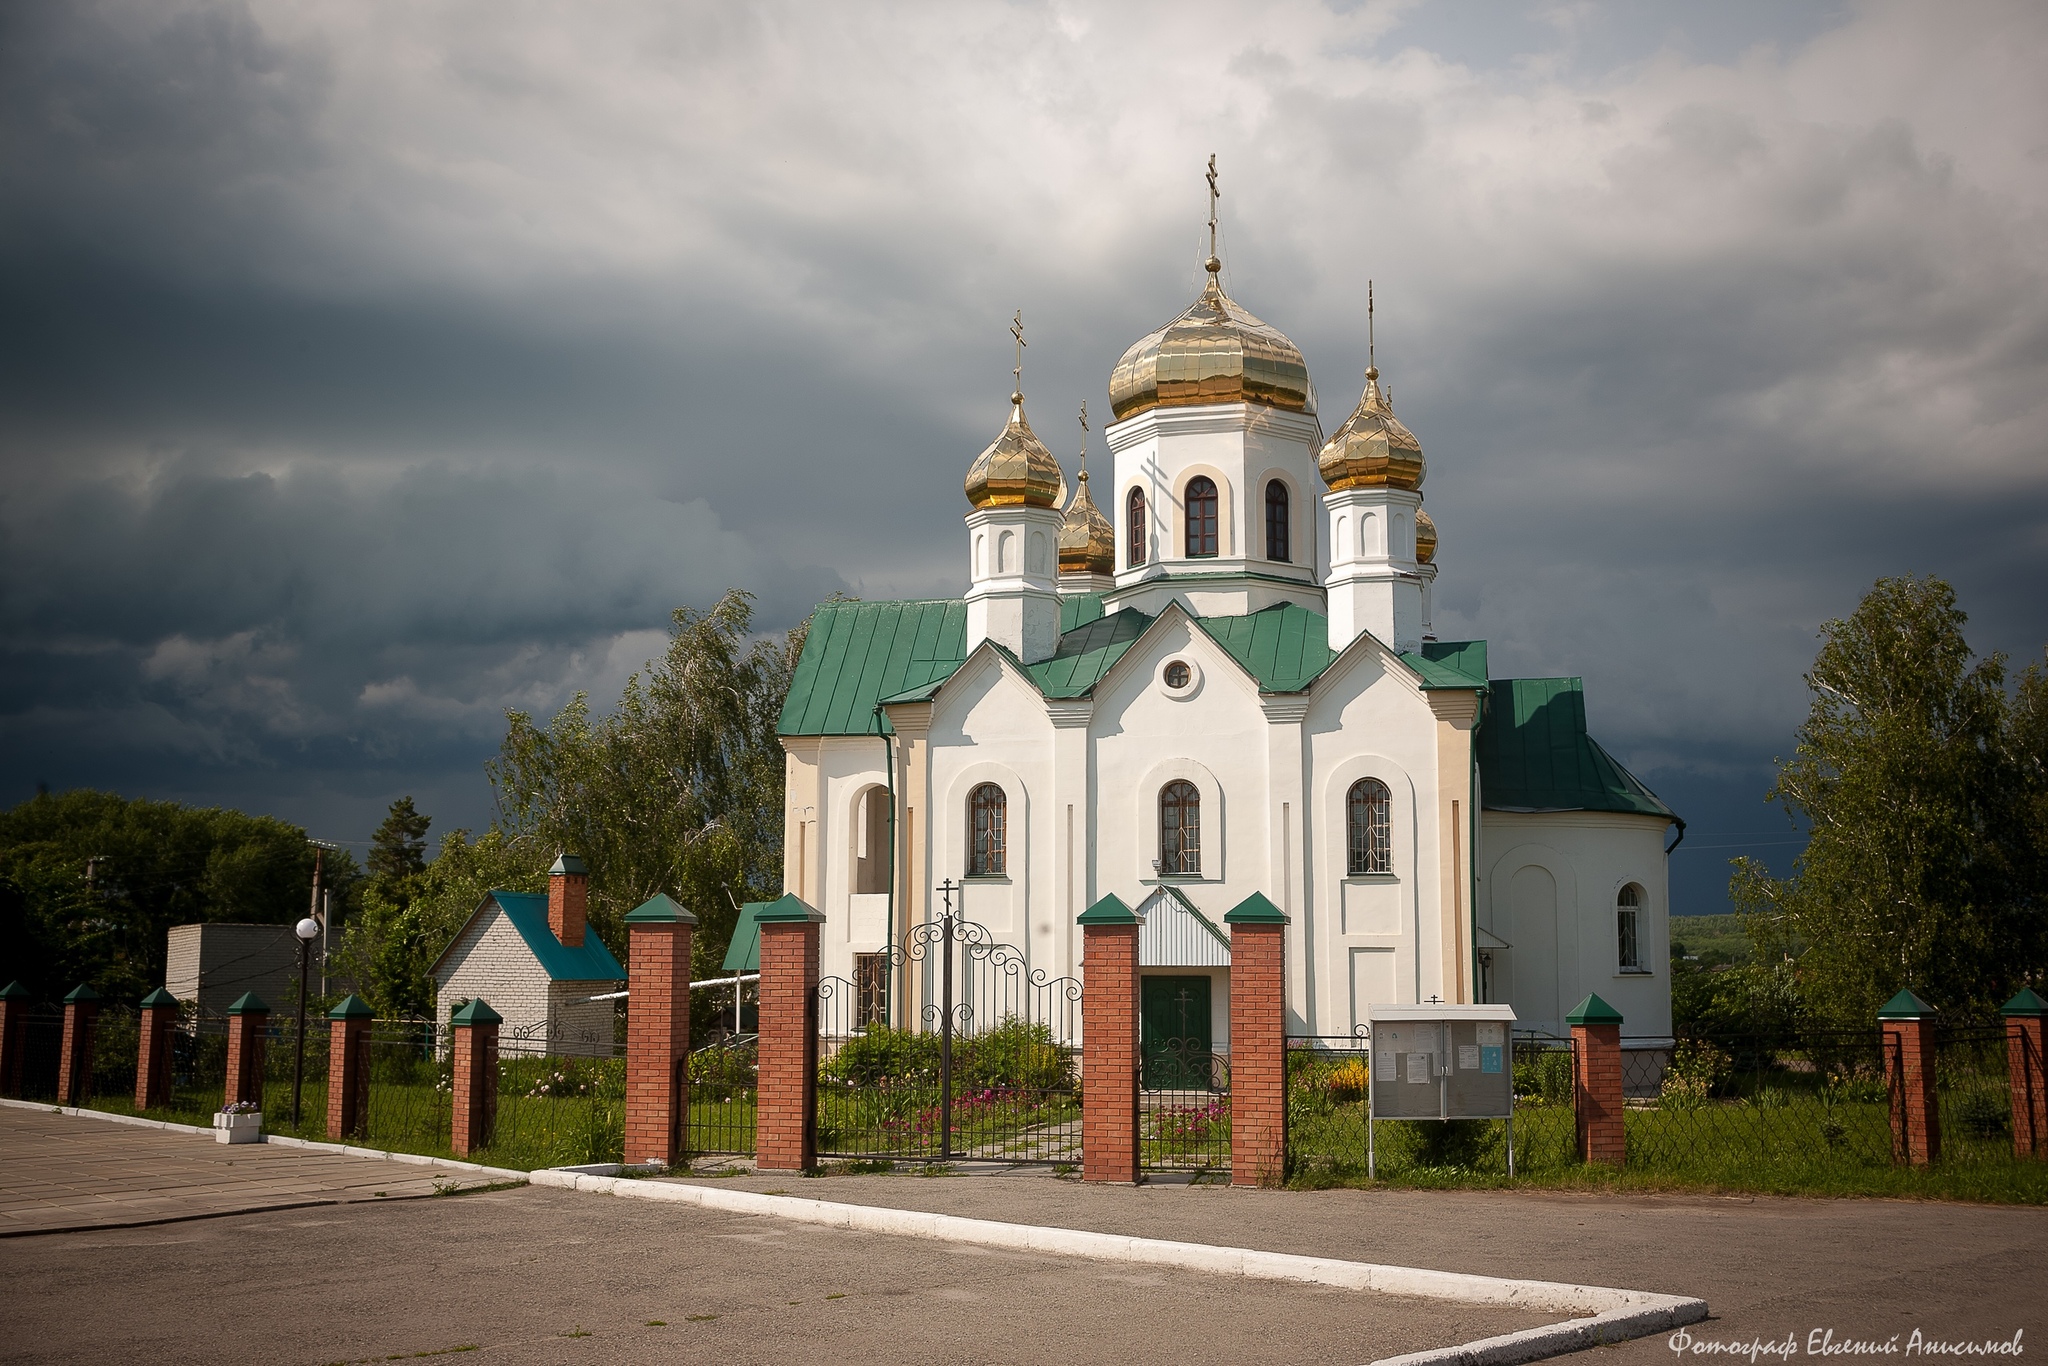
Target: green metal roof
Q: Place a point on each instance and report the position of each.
(591, 962)
(1535, 754)
(858, 653)
(743, 954)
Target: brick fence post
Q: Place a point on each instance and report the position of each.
(1109, 1041)
(1258, 1043)
(1596, 1082)
(348, 1068)
(153, 1050)
(74, 1061)
(2029, 1070)
(658, 1031)
(786, 1115)
(1908, 1026)
(248, 1018)
(475, 1081)
(13, 1037)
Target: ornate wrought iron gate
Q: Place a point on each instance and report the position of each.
(950, 1045)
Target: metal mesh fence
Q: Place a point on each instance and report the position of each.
(556, 1110)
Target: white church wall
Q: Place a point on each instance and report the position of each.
(1548, 883)
(990, 725)
(1375, 937)
(843, 770)
(1213, 734)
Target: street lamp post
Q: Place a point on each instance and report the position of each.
(308, 930)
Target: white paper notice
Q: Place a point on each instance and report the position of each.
(1490, 1033)
(1383, 1065)
(1418, 1067)
(1468, 1057)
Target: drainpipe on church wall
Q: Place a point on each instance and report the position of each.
(889, 758)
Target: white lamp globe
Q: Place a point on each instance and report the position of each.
(309, 928)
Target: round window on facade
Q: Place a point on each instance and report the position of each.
(1177, 676)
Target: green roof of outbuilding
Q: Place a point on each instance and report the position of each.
(589, 961)
(1535, 754)
(857, 653)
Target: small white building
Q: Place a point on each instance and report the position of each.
(1230, 684)
(533, 959)
(213, 964)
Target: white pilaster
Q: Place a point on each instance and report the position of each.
(1013, 580)
(1375, 585)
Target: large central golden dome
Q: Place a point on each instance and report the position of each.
(1215, 352)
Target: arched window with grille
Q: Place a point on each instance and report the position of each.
(1278, 532)
(1201, 508)
(1134, 523)
(1628, 909)
(1180, 829)
(988, 819)
(1366, 813)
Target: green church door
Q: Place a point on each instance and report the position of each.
(1173, 1036)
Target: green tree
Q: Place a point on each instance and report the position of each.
(1911, 772)
(91, 883)
(399, 848)
(679, 790)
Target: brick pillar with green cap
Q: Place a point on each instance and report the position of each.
(348, 1068)
(2024, 1015)
(74, 1060)
(248, 1018)
(1258, 1043)
(1908, 1026)
(786, 1114)
(13, 1037)
(658, 1031)
(153, 1050)
(1109, 1041)
(1596, 1081)
(475, 1081)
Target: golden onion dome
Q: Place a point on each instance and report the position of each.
(1425, 538)
(1215, 352)
(1372, 449)
(1087, 540)
(1016, 470)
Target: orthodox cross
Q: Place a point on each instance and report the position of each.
(1084, 440)
(1017, 331)
(1214, 195)
(1372, 368)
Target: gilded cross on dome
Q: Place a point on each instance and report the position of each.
(1213, 264)
(1017, 331)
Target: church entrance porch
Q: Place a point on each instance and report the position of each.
(986, 1065)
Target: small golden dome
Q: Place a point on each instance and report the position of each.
(1087, 540)
(1425, 538)
(1213, 353)
(1372, 449)
(1016, 469)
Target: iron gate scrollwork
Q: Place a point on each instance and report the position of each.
(972, 1053)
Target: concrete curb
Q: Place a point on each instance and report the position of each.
(136, 1121)
(1600, 1314)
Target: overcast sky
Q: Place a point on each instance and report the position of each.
(369, 368)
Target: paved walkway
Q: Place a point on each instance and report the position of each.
(60, 1172)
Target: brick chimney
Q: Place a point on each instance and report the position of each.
(568, 894)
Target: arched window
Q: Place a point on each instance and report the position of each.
(1180, 829)
(988, 813)
(1277, 546)
(1134, 521)
(1628, 908)
(1201, 503)
(1365, 820)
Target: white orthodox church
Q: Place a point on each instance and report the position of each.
(1231, 687)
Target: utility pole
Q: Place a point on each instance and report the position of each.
(317, 912)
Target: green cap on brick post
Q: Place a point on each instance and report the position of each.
(1255, 910)
(1905, 1006)
(13, 991)
(787, 909)
(159, 997)
(352, 1007)
(2026, 1003)
(249, 1003)
(1111, 910)
(477, 1012)
(80, 994)
(1593, 1010)
(659, 909)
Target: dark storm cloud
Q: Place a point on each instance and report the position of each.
(369, 369)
